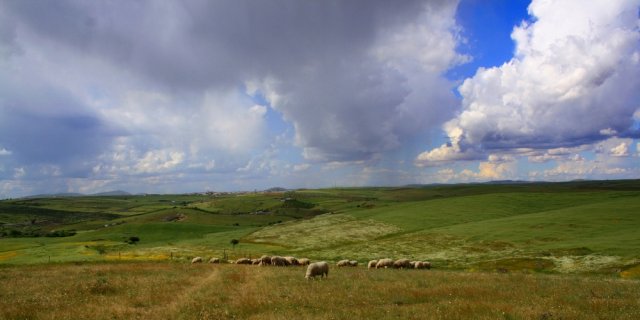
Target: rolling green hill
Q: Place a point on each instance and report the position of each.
(588, 226)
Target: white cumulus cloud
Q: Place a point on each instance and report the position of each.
(573, 81)
(621, 150)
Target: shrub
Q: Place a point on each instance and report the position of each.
(293, 203)
(132, 240)
(101, 249)
(15, 233)
(61, 233)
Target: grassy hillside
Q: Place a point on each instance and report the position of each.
(552, 227)
(564, 230)
(130, 291)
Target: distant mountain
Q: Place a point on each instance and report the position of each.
(111, 193)
(510, 182)
(421, 185)
(276, 189)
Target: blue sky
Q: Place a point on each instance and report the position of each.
(487, 26)
(172, 97)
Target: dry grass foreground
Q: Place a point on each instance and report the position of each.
(163, 290)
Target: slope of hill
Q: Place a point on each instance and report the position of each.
(586, 226)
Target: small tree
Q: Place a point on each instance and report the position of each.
(132, 240)
(234, 242)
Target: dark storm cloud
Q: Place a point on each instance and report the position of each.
(111, 90)
(196, 44)
(344, 101)
(45, 125)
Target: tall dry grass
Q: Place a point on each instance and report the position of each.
(181, 291)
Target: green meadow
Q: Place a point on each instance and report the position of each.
(573, 227)
(539, 251)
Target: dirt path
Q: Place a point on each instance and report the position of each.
(186, 296)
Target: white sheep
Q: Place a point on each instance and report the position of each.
(384, 263)
(353, 263)
(243, 261)
(278, 261)
(214, 260)
(372, 264)
(422, 265)
(265, 260)
(304, 261)
(291, 261)
(343, 263)
(317, 269)
(196, 260)
(402, 264)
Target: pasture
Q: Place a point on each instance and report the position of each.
(499, 251)
(165, 290)
(577, 227)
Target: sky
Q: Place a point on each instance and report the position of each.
(229, 95)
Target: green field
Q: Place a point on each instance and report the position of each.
(499, 251)
(575, 227)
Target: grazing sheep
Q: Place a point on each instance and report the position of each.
(214, 260)
(243, 261)
(317, 269)
(402, 264)
(278, 261)
(304, 261)
(255, 261)
(343, 263)
(353, 263)
(265, 260)
(423, 265)
(291, 261)
(413, 264)
(384, 263)
(196, 260)
(372, 264)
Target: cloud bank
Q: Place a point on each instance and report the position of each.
(573, 81)
(182, 96)
(157, 96)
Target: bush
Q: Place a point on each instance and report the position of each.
(15, 233)
(293, 203)
(101, 249)
(61, 233)
(132, 240)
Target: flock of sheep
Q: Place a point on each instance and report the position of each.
(398, 264)
(262, 261)
(322, 268)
